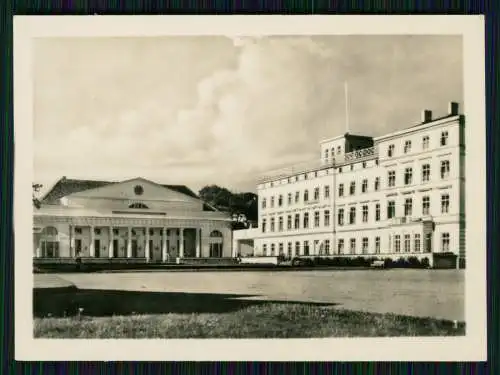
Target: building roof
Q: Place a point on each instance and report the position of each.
(66, 186)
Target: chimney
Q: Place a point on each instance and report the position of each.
(453, 108)
(426, 115)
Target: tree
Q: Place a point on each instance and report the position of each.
(239, 205)
(36, 189)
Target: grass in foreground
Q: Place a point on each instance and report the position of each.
(269, 320)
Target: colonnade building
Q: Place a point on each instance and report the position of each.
(130, 220)
(400, 194)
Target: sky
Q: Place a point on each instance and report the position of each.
(200, 110)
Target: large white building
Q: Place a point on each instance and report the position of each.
(136, 220)
(396, 195)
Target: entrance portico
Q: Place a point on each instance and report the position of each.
(102, 223)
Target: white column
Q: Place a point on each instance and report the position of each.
(198, 244)
(72, 240)
(146, 246)
(164, 249)
(38, 252)
(92, 238)
(129, 243)
(181, 243)
(110, 246)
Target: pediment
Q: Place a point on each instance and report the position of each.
(137, 189)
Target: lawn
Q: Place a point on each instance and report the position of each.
(249, 306)
(268, 320)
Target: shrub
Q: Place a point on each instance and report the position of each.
(388, 263)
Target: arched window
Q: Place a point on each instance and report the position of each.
(49, 243)
(138, 205)
(216, 242)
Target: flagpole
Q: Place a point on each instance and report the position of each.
(346, 97)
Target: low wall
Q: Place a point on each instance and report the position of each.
(259, 260)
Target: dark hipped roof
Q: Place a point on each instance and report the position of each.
(66, 186)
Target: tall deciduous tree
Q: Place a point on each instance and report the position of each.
(239, 205)
(36, 188)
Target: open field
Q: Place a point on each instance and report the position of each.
(253, 304)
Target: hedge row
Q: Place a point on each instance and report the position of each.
(402, 262)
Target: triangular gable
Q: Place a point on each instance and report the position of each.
(138, 189)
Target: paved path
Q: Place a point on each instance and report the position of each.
(47, 280)
(433, 293)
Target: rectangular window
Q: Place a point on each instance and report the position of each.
(352, 188)
(407, 148)
(426, 205)
(263, 203)
(306, 220)
(426, 172)
(289, 249)
(365, 213)
(391, 209)
(327, 192)
(289, 199)
(316, 194)
(272, 202)
(327, 247)
(425, 142)
(264, 249)
(316, 219)
(445, 242)
(327, 218)
(408, 206)
(297, 197)
(377, 245)
(280, 223)
(280, 251)
(273, 249)
(297, 221)
(297, 248)
(280, 201)
(353, 246)
(417, 243)
(78, 230)
(408, 176)
(377, 212)
(407, 243)
(445, 203)
(263, 225)
(289, 222)
(306, 247)
(444, 138)
(377, 184)
(445, 169)
(391, 178)
(397, 243)
(364, 186)
(341, 190)
(272, 224)
(390, 151)
(341, 216)
(365, 245)
(352, 215)
(341, 246)
(306, 195)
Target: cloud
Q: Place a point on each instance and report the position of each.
(265, 103)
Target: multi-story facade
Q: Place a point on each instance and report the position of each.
(400, 194)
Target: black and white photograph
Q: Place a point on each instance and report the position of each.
(204, 183)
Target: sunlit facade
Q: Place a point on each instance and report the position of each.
(400, 194)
